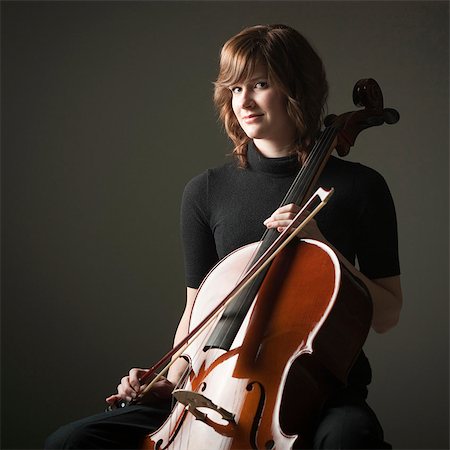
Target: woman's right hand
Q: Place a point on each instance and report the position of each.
(130, 388)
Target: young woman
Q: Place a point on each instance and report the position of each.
(270, 94)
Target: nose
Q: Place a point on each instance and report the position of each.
(247, 100)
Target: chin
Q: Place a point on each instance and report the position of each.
(252, 134)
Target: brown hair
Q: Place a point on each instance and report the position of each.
(293, 66)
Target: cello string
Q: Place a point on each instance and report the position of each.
(185, 381)
(312, 162)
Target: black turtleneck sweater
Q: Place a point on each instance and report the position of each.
(224, 208)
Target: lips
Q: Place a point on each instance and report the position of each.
(251, 116)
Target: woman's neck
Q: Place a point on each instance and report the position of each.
(274, 149)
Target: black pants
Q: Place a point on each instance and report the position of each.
(122, 428)
(347, 422)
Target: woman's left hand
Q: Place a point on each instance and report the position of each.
(282, 217)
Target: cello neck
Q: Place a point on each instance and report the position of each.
(306, 179)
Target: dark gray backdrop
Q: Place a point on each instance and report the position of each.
(107, 112)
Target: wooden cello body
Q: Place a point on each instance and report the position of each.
(313, 325)
(261, 371)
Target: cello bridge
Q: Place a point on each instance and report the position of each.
(194, 400)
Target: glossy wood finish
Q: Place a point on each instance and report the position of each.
(307, 325)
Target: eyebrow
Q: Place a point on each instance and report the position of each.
(257, 77)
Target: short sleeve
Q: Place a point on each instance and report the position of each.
(377, 237)
(197, 237)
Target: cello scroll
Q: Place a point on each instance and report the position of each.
(366, 93)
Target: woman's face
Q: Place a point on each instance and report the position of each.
(261, 109)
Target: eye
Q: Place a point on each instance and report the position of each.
(235, 89)
(261, 84)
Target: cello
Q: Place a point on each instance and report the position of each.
(301, 315)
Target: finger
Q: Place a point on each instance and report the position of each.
(131, 385)
(282, 228)
(126, 391)
(280, 220)
(123, 396)
(285, 216)
(289, 210)
(134, 378)
(279, 223)
(112, 399)
(292, 207)
(276, 219)
(125, 383)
